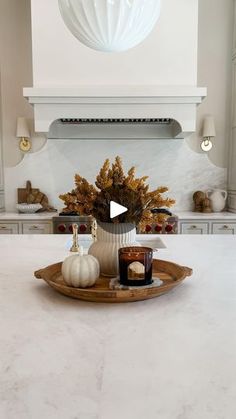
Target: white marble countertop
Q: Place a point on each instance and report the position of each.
(183, 215)
(172, 357)
(16, 216)
(190, 215)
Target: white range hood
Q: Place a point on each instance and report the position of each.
(156, 112)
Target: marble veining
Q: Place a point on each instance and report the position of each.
(166, 162)
(171, 358)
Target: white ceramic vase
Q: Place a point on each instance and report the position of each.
(110, 238)
(218, 199)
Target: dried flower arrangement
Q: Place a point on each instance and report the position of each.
(113, 185)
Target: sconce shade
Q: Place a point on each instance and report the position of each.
(110, 25)
(209, 130)
(22, 129)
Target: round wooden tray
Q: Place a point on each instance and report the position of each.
(170, 273)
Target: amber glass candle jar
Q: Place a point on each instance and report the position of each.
(135, 266)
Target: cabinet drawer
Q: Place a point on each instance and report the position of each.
(36, 228)
(194, 228)
(9, 228)
(223, 228)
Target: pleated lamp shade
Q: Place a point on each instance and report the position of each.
(22, 129)
(209, 130)
(110, 25)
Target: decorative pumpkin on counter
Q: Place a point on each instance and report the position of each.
(80, 271)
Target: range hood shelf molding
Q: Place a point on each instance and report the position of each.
(177, 103)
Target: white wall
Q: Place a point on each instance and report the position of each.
(2, 201)
(16, 71)
(167, 57)
(214, 71)
(52, 169)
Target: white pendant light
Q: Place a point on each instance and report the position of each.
(110, 25)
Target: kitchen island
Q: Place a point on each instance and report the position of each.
(173, 357)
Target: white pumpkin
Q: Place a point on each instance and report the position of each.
(80, 271)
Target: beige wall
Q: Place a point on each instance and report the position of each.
(166, 57)
(1, 159)
(215, 31)
(16, 71)
(214, 71)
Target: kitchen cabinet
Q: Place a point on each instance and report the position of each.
(232, 146)
(18, 227)
(194, 228)
(9, 228)
(14, 223)
(208, 227)
(213, 223)
(223, 228)
(36, 228)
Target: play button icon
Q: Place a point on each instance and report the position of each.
(116, 209)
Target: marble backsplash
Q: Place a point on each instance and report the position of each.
(167, 162)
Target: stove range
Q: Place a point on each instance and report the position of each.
(62, 224)
(169, 226)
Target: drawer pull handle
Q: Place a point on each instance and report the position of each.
(193, 227)
(3, 227)
(225, 227)
(34, 228)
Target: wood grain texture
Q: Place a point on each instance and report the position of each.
(23, 193)
(31, 195)
(170, 273)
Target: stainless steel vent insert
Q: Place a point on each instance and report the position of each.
(158, 121)
(114, 128)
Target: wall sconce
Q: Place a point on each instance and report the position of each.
(23, 132)
(208, 133)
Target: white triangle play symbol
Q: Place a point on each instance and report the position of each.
(116, 209)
